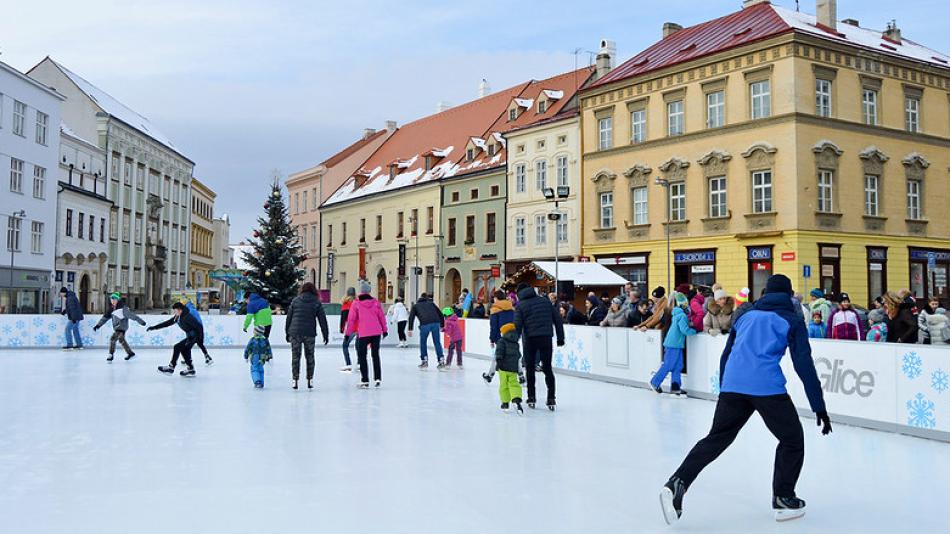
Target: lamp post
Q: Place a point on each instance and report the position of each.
(556, 195)
(666, 185)
(18, 215)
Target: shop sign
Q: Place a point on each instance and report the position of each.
(402, 259)
(330, 260)
(760, 253)
(496, 271)
(827, 270)
(702, 269)
(788, 256)
(830, 252)
(623, 260)
(708, 256)
(875, 267)
(925, 255)
(877, 254)
(762, 266)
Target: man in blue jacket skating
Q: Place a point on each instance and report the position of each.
(752, 381)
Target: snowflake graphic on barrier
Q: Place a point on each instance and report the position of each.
(209, 340)
(572, 362)
(226, 340)
(37, 321)
(52, 327)
(219, 328)
(7, 329)
(41, 339)
(920, 412)
(137, 339)
(585, 365)
(14, 342)
(20, 325)
(87, 340)
(559, 360)
(156, 340)
(912, 366)
(714, 383)
(940, 381)
(580, 345)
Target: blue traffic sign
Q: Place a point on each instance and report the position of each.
(806, 271)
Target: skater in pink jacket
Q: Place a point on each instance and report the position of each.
(454, 332)
(368, 321)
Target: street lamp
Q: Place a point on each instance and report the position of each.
(556, 195)
(666, 185)
(19, 215)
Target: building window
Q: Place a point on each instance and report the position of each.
(314, 235)
(42, 127)
(607, 209)
(490, 227)
(451, 236)
(313, 201)
(303, 236)
(562, 140)
(455, 196)
(39, 182)
(519, 231)
(13, 233)
(69, 222)
(829, 261)
(640, 206)
(36, 242)
(541, 174)
(912, 114)
(869, 106)
(822, 97)
(430, 219)
(512, 114)
(329, 235)
(675, 123)
(469, 229)
(470, 154)
(379, 227)
(414, 222)
(296, 203)
(560, 228)
(305, 203)
(638, 126)
(19, 118)
(473, 194)
(762, 191)
(343, 235)
(605, 130)
(717, 197)
(495, 190)
(561, 170)
(542, 106)
(877, 272)
(826, 191)
(81, 225)
(678, 201)
(400, 225)
(362, 230)
(761, 93)
(102, 230)
(114, 227)
(520, 178)
(715, 109)
(540, 230)
(491, 149)
(16, 175)
(92, 228)
(914, 211)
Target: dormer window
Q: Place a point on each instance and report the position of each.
(542, 106)
(491, 149)
(393, 171)
(429, 163)
(470, 154)
(513, 114)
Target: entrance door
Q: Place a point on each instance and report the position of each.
(830, 265)
(84, 293)
(381, 285)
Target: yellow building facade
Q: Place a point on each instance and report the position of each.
(202, 259)
(793, 154)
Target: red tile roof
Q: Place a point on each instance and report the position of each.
(348, 151)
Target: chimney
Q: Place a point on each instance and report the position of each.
(483, 88)
(605, 58)
(827, 13)
(669, 28)
(851, 22)
(893, 33)
(442, 106)
(391, 126)
(368, 132)
(750, 3)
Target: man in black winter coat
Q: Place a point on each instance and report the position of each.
(72, 309)
(193, 332)
(538, 321)
(300, 329)
(596, 311)
(431, 321)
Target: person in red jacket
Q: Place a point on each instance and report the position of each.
(844, 323)
(697, 310)
(368, 322)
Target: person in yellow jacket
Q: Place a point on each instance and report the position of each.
(258, 311)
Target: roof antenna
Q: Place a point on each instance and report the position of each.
(796, 6)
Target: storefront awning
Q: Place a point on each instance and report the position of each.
(585, 274)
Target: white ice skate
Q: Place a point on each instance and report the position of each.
(787, 508)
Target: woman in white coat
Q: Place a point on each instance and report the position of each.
(399, 314)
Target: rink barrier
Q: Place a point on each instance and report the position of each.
(883, 386)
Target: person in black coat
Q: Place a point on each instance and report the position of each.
(640, 313)
(431, 321)
(301, 330)
(537, 321)
(72, 309)
(596, 311)
(193, 332)
(902, 325)
(570, 315)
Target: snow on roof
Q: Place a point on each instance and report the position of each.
(442, 152)
(524, 102)
(68, 131)
(498, 136)
(478, 141)
(119, 110)
(582, 273)
(553, 95)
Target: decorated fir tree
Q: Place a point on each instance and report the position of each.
(274, 260)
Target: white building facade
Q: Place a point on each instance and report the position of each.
(29, 148)
(83, 216)
(149, 182)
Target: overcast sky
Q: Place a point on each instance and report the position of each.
(247, 86)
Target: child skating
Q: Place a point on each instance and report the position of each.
(257, 353)
(259, 312)
(751, 380)
(453, 330)
(673, 347)
(120, 315)
(501, 313)
(193, 331)
(508, 363)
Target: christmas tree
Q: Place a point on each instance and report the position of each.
(274, 260)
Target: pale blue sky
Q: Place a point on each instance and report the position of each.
(247, 86)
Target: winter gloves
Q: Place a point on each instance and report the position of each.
(822, 420)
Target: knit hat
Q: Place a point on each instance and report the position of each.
(876, 316)
(680, 299)
(844, 297)
(779, 283)
(616, 300)
(364, 287)
(351, 291)
(63, 290)
(659, 292)
(742, 296)
(446, 311)
(720, 294)
(507, 327)
(682, 288)
(115, 296)
(817, 293)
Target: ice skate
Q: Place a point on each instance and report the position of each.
(787, 508)
(208, 361)
(110, 357)
(459, 367)
(189, 372)
(309, 383)
(441, 366)
(346, 369)
(522, 379)
(671, 500)
(487, 378)
(424, 365)
(166, 369)
(257, 385)
(505, 406)
(531, 403)
(129, 356)
(551, 404)
(658, 389)
(293, 383)
(518, 408)
(363, 385)
(67, 347)
(677, 392)
(378, 383)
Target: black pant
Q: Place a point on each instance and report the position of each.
(183, 348)
(267, 331)
(200, 341)
(361, 344)
(732, 412)
(538, 349)
(305, 343)
(401, 330)
(119, 335)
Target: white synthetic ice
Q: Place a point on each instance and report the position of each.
(89, 447)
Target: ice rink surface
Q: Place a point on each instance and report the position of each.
(90, 447)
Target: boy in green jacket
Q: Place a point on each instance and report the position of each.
(258, 310)
(508, 357)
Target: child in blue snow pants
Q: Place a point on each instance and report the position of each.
(673, 346)
(672, 365)
(257, 353)
(257, 370)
